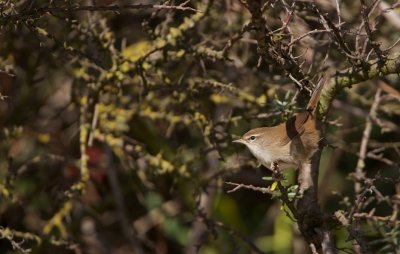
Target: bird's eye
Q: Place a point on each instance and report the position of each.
(252, 138)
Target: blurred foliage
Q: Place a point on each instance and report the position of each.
(117, 120)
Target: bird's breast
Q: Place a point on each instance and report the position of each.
(274, 154)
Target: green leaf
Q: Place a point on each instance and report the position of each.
(267, 178)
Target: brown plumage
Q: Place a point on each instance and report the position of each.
(290, 143)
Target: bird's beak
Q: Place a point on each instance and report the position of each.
(241, 141)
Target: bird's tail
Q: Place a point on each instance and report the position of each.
(312, 104)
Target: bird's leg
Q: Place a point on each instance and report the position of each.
(276, 172)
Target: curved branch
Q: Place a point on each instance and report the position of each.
(351, 76)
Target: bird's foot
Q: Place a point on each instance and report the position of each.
(276, 172)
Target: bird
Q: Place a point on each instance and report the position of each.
(290, 144)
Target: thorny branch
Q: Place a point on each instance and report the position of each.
(42, 11)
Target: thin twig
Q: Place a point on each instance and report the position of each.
(359, 171)
(239, 186)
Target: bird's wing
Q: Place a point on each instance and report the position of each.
(295, 126)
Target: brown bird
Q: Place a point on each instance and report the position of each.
(290, 144)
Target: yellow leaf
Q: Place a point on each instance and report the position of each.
(216, 98)
(180, 53)
(43, 138)
(137, 50)
(175, 32)
(125, 67)
(274, 185)
(262, 100)
(41, 31)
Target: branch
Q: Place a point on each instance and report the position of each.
(37, 13)
(11, 235)
(127, 231)
(371, 38)
(212, 224)
(354, 75)
(309, 216)
(239, 186)
(353, 232)
(359, 171)
(276, 50)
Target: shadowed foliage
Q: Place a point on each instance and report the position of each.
(117, 120)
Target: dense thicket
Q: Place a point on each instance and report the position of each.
(117, 120)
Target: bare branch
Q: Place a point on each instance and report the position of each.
(239, 186)
(359, 171)
(37, 13)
